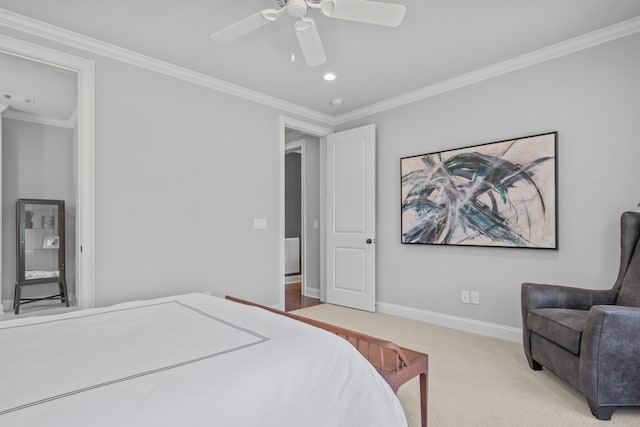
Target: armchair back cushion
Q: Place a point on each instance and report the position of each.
(629, 294)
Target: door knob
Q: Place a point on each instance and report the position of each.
(369, 241)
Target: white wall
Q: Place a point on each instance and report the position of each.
(36, 164)
(591, 98)
(312, 235)
(181, 171)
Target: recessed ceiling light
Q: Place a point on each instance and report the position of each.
(336, 102)
(329, 77)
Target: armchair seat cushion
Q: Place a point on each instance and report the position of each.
(562, 326)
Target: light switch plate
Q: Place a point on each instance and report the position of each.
(464, 297)
(475, 297)
(259, 223)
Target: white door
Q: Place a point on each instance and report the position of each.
(351, 253)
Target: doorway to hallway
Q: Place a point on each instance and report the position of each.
(295, 300)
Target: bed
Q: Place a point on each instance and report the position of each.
(188, 360)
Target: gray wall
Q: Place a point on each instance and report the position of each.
(181, 172)
(36, 164)
(312, 235)
(292, 195)
(591, 99)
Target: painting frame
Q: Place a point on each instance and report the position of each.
(496, 194)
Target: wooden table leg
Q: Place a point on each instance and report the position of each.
(423, 399)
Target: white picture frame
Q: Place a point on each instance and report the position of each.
(51, 242)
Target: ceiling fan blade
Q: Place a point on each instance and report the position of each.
(370, 12)
(245, 26)
(310, 42)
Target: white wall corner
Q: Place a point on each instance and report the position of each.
(3, 107)
(312, 292)
(479, 327)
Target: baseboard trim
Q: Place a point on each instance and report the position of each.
(495, 330)
(312, 293)
(292, 279)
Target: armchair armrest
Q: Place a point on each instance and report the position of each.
(610, 356)
(535, 295)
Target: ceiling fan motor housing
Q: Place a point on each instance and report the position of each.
(297, 8)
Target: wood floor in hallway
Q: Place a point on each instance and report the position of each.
(294, 300)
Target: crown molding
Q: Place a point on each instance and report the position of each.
(576, 44)
(50, 32)
(56, 34)
(39, 119)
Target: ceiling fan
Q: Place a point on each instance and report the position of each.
(370, 12)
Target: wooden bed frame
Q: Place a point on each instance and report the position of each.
(396, 365)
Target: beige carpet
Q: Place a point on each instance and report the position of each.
(474, 380)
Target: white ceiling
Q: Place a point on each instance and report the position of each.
(438, 40)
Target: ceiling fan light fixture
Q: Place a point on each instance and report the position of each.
(304, 24)
(369, 11)
(327, 7)
(271, 14)
(297, 8)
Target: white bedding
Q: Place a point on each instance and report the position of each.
(189, 360)
(39, 274)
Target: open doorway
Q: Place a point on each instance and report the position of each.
(302, 219)
(80, 124)
(295, 129)
(38, 148)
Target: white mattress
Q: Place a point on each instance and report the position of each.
(189, 360)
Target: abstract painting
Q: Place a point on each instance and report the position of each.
(498, 194)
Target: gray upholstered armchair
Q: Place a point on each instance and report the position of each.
(591, 338)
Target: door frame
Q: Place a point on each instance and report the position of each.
(291, 147)
(320, 132)
(85, 161)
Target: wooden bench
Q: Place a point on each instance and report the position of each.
(396, 365)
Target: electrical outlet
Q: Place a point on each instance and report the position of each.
(465, 297)
(475, 297)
